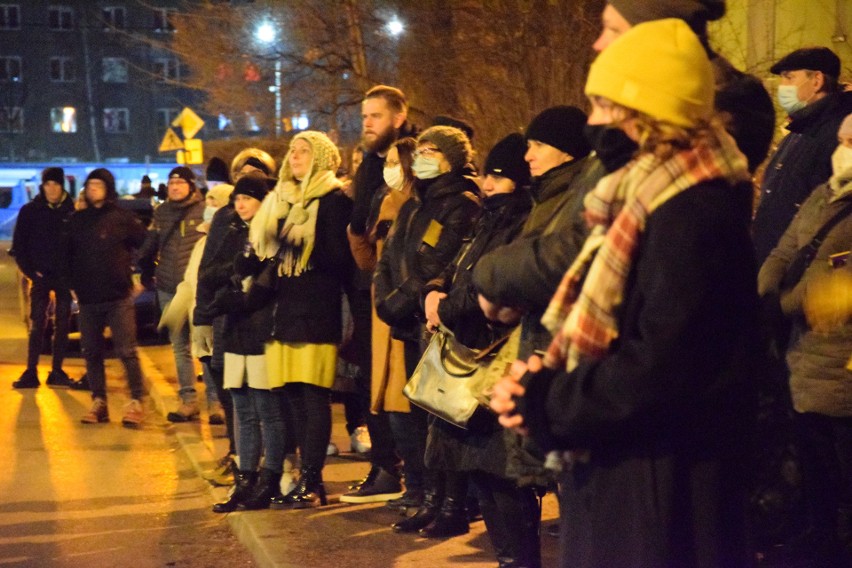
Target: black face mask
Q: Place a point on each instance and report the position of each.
(613, 147)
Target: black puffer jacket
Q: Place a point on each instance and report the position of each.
(425, 238)
(38, 231)
(100, 245)
(171, 238)
(526, 272)
(216, 267)
(801, 163)
(502, 217)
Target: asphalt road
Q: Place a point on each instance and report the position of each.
(94, 495)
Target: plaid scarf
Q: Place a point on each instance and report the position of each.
(583, 314)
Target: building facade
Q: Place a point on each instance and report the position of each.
(88, 81)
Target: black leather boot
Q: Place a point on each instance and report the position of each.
(309, 491)
(243, 485)
(451, 520)
(267, 487)
(424, 516)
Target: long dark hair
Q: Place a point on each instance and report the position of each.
(405, 147)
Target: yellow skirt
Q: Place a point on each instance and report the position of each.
(312, 363)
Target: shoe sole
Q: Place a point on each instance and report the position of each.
(99, 421)
(14, 386)
(378, 498)
(59, 386)
(131, 423)
(180, 418)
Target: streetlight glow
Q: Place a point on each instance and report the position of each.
(395, 27)
(266, 32)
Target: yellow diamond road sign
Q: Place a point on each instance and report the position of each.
(189, 122)
(171, 141)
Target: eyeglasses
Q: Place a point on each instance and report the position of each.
(426, 152)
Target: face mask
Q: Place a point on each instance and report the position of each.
(788, 98)
(841, 160)
(612, 146)
(426, 168)
(393, 177)
(209, 211)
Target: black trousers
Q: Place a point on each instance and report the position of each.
(310, 407)
(39, 304)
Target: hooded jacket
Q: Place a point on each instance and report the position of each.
(38, 233)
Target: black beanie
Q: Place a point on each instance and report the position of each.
(217, 170)
(105, 176)
(696, 13)
(53, 174)
(506, 159)
(146, 179)
(183, 173)
(257, 164)
(254, 184)
(562, 128)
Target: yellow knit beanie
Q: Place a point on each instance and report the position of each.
(658, 68)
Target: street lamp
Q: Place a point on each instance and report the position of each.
(266, 33)
(395, 27)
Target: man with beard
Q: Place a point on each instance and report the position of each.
(384, 113)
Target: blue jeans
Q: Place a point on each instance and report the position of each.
(261, 426)
(183, 354)
(120, 316)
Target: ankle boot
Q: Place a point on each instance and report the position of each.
(309, 491)
(451, 521)
(243, 485)
(265, 489)
(424, 516)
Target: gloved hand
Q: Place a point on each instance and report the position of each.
(246, 265)
(202, 340)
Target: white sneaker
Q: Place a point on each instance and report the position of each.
(332, 449)
(360, 440)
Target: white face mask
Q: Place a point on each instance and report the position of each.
(426, 168)
(841, 160)
(209, 211)
(393, 177)
(788, 98)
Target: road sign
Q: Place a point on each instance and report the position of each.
(171, 141)
(193, 153)
(189, 122)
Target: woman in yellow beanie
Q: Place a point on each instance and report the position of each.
(646, 387)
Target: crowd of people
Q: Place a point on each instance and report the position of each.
(646, 306)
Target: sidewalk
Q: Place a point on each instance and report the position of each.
(334, 536)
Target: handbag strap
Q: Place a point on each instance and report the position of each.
(808, 252)
(485, 352)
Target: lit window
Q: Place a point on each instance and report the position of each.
(113, 17)
(225, 123)
(165, 116)
(116, 120)
(60, 18)
(10, 17)
(251, 123)
(300, 121)
(167, 69)
(61, 69)
(162, 19)
(11, 119)
(114, 70)
(10, 69)
(63, 119)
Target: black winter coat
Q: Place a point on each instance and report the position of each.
(216, 268)
(100, 245)
(666, 413)
(801, 163)
(308, 307)
(425, 238)
(482, 446)
(171, 238)
(36, 240)
(526, 272)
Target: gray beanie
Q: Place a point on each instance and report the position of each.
(452, 142)
(696, 13)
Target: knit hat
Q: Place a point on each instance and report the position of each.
(326, 156)
(446, 120)
(257, 164)
(845, 126)
(243, 156)
(254, 184)
(146, 179)
(451, 141)
(696, 13)
(658, 68)
(53, 174)
(506, 159)
(220, 194)
(105, 176)
(562, 128)
(183, 173)
(810, 58)
(217, 170)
